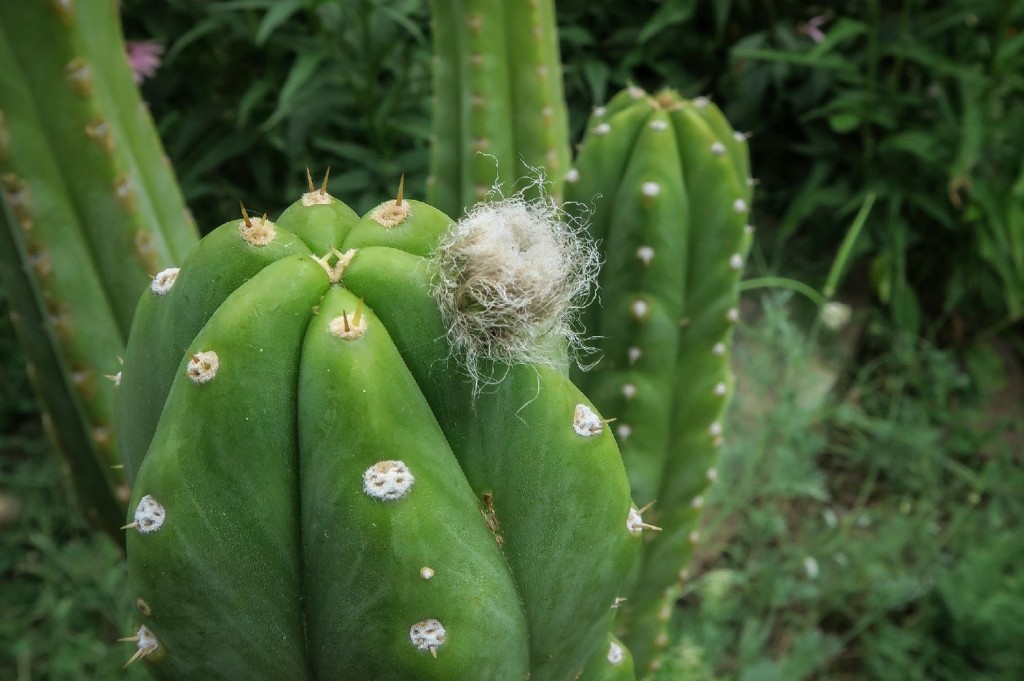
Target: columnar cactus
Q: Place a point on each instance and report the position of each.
(499, 105)
(338, 472)
(668, 179)
(92, 212)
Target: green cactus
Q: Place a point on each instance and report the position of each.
(668, 179)
(93, 212)
(499, 105)
(331, 472)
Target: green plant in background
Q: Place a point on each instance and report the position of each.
(865, 524)
(288, 84)
(669, 182)
(90, 212)
(499, 107)
(369, 456)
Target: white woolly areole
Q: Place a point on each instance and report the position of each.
(639, 308)
(721, 389)
(391, 213)
(616, 654)
(149, 515)
(572, 176)
(659, 124)
(512, 276)
(739, 206)
(736, 261)
(701, 102)
(623, 430)
(635, 522)
(718, 349)
(599, 111)
(585, 422)
(257, 231)
(634, 353)
(344, 326)
(164, 280)
(202, 366)
(602, 129)
(427, 572)
(387, 480)
(317, 198)
(717, 148)
(651, 189)
(715, 428)
(629, 391)
(428, 634)
(645, 254)
(146, 640)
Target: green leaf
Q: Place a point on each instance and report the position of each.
(275, 16)
(669, 14)
(844, 122)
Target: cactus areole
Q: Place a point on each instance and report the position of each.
(322, 490)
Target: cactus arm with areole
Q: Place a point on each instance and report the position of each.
(669, 296)
(499, 105)
(95, 212)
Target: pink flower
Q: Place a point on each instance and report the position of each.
(144, 57)
(812, 29)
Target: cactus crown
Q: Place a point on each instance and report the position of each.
(512, 276)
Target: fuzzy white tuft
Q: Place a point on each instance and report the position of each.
(512, 277)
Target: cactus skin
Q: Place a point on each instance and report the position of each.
(272, 561)
(94, 213)
(499, 103)
(673, 222)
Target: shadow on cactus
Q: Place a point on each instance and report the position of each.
(319, 486)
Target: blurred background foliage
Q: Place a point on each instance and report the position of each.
(864, 522)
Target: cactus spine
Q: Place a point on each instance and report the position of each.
(316, 488)
(672, 218)
(499, 105)
(92, 213)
